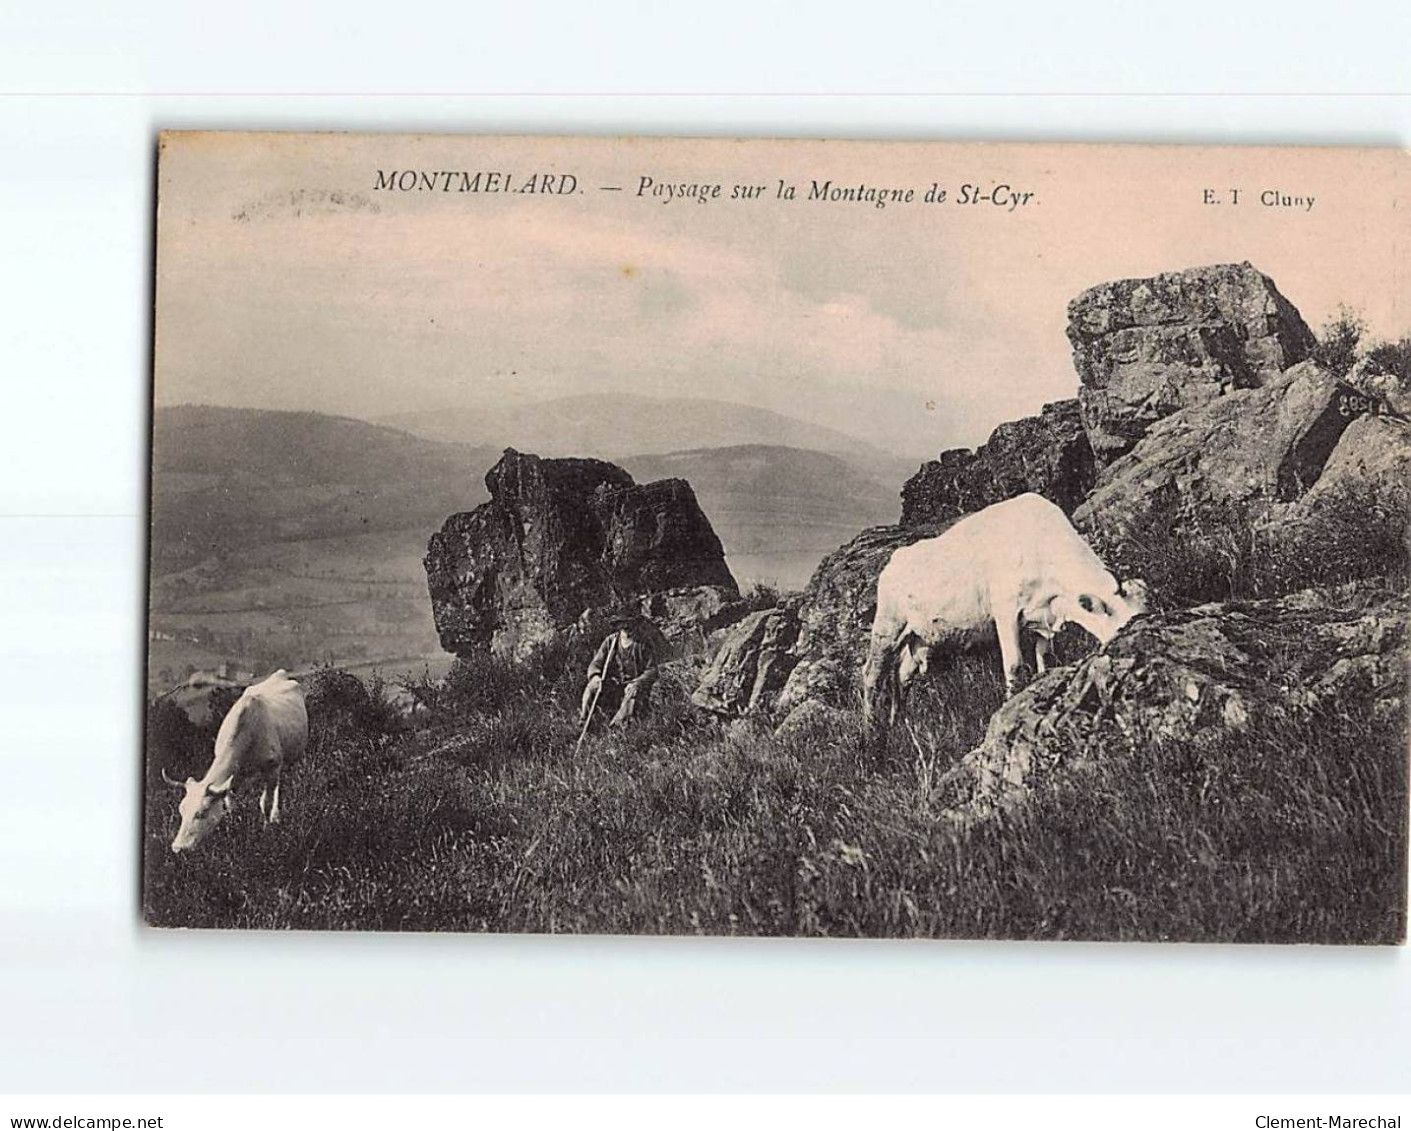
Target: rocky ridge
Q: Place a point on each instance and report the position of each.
(1198, 402)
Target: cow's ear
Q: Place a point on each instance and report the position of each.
(1136, 591)
(220, 790)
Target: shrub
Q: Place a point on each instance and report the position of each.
(481, 685)
(342, 707)
(173, 743)
(1190, 554)
(760, 595)
(1337, 347)
(1392, 359)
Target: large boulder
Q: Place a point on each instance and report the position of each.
(1247, 449)
(1145, 348)
(835, 617)
(1372, 457)
(1189, 681)
(560, 537)
(751, 665)
(1048, 454)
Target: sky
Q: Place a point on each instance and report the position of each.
(288, 279)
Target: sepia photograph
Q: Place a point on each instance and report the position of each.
(849, 539)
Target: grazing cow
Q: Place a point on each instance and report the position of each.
(1016, 565)
(267, 726)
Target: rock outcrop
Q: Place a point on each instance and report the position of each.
(1048, 454)
(1372, 456)
(1191, 679)
(563, 536)
(1201, 415)
(835, 617)
(1145, 348)
(752, 664)
(1249, 447)
(810, 647)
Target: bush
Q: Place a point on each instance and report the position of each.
(174, 743)
(1192, 554)
(343, 708)
(760, 595)
(484, 685)
(1338, 343)
(1392, 359)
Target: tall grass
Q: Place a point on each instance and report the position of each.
(487, 819)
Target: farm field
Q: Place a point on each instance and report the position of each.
(357, 601)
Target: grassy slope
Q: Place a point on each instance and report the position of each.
(486, 819)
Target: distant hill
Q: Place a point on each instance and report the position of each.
(226, 478)
(616, 425)
(778, 510)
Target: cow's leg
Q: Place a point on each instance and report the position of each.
(908, 664)
(1043, 652)
(1010, 652)
(894, 685)
(879, 677)
(269, 797)
(914, 659)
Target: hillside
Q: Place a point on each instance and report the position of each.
(1218, 753)
(617, 425)
(225, 479)
(284, 539)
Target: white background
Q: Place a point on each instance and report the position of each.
(91, 1000)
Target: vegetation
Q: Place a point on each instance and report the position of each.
(477, 809)
(484, 817)
(1392, 359)
(1342, 347)
(1340, 341)
(1190, 555)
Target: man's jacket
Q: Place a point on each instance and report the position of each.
(629, 662)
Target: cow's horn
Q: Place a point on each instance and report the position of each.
(169, 779)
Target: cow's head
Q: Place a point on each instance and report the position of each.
(1102, 615)
(201, 809)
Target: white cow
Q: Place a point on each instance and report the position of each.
(1016, 565)
(267, 726)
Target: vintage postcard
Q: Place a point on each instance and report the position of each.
(662, 536)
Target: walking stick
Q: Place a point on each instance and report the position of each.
(602, 679)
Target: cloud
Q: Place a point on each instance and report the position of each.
(857, 319)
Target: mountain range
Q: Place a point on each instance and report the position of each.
(224, 478)
(615, 426)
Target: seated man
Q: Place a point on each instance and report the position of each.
(624, 667)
